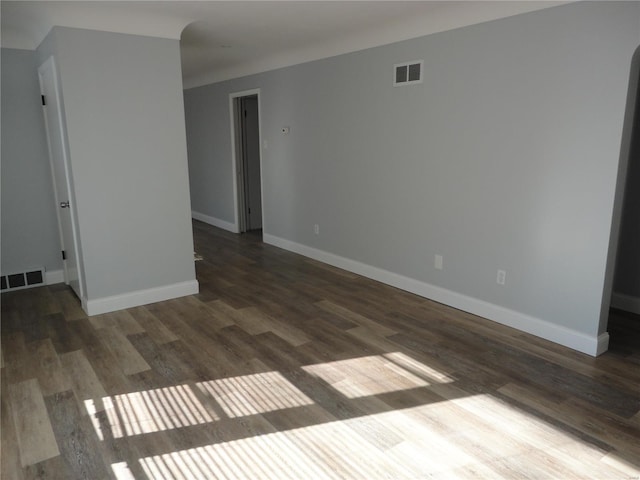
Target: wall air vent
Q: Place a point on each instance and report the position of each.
(34, 277)
(408, 73)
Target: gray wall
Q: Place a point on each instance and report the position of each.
(208, 130)
(125, 125)
(506, 156)
(29, 227)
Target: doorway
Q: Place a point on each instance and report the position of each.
(61, 173)
(623, 322)
(245, 114)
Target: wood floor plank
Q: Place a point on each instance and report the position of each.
(76, 437)
(196, 366)
(51, 377)
(559, 355)
(126, 355)
(157, 330)
(330, 268)
(52, 469)
(252, 321)
(104, 362)
(192, 308)
(162, 360)
(10, 466)
(209, 358)
(586, 461)
(603, 429)
(335, 341)
(554, 377)
(62, 333)
(84, 382)
(446, 355)
(278, 354)
(43, 302)
(36, 441)
(35, 327)
(285, 330)
(355, 317)
(430, 368)
(224, 313)
(621, 467)
(122, 320)
(70, 305)
(19, 364)
(10, 314)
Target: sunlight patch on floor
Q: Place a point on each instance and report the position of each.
(122, 471)
(327, 451)
(626, 466)
(449, 431)
(447, 439)
(150, 411)
(254, 394)
(375, 375)
(162, 409)
(418, 368)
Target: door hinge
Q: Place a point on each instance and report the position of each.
(249, 211)
(64, 255)
(245, 114)
(44, 101)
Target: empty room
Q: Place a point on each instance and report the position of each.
(320, 240)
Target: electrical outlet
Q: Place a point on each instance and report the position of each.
(437, 263)
(502, 277)
(316, 229)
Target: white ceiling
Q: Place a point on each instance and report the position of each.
(222, 40)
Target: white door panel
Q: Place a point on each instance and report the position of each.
(56, 137)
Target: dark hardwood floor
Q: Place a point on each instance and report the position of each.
(286, 368)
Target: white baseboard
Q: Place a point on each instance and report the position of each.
(591, 345)
(54, 276)
(140, 297)
(216, 222)
(626, 303)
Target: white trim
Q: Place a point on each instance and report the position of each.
(570, 338)
(54, 276)
(216, 222)
(602, 344)
(140, 297)
(627, 303)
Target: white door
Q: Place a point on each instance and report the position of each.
(58, 155)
